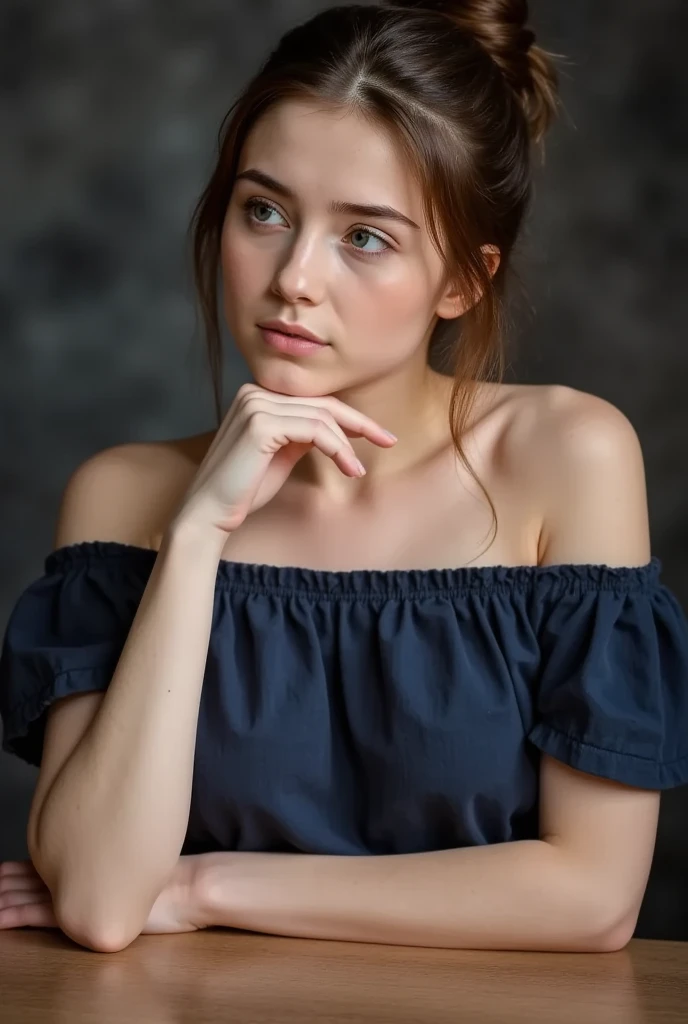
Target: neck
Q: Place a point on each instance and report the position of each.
(416, 411)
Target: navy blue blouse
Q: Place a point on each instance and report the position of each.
(377, 712)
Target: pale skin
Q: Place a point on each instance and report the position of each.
(565, 469)
(375, 297)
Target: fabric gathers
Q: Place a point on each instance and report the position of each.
(371, 711)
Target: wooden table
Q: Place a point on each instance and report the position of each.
(248, 978)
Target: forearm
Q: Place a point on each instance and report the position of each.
(520, 895)
(112, 826)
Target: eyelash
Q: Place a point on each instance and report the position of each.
(250, 204)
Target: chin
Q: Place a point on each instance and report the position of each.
(285, 378)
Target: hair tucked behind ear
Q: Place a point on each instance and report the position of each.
(462, 97)
(501, 28)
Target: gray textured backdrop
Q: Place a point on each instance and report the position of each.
(110, 114)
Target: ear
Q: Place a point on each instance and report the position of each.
(453, 302)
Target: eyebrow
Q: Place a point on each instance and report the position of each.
(336, 206)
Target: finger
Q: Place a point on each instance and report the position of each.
(305, 429)
(13, 873)
(16, 867)
(38, 914)
(16, 899)
(307, 413)
(313, 412)
(19, 884)
(353, 422)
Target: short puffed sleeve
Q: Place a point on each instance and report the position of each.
(611, 696)
(65, 635)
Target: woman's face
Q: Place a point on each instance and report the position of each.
(368, 284)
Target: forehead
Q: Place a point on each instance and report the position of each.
(328, 153)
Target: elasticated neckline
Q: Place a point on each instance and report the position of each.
(263, 578)
(365, 711)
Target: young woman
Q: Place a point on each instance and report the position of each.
(271, 691)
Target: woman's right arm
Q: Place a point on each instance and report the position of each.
(110, 829)
(108, 832)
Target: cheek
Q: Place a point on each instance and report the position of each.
(394, 311)
(239, 267)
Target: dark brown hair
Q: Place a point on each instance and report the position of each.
(465, 92)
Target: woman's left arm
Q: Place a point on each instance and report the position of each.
(525, 895)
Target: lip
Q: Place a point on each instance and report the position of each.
(296, 330)
(291, 344)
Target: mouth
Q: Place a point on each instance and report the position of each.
(290, 344)
(297, 331)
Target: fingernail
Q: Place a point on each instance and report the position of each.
(390, 434)
(361, 467)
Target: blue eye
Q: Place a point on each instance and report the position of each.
(254, 204)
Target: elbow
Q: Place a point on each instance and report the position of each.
(99, 931)
(92, 923)
(86, 932)
(616, 933)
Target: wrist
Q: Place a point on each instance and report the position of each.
(209, 880)
(191, 538)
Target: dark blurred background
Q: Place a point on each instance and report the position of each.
(110, 113)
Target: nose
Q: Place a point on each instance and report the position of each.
(302, 272)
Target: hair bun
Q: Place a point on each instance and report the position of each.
(501, 28)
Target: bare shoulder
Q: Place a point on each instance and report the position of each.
(583, 458)
(564, 427)
(128, 492)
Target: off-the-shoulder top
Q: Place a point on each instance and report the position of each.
(378, 711)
